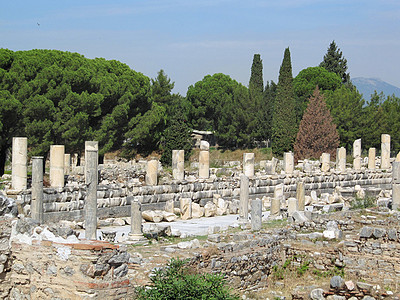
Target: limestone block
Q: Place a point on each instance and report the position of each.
(186, 208)
(256, 214)
(168, 216)
(152, 216)
(210, 209)
(288, 162)
(197, 210)
(204, 145)
(357, 163)
(169, 206)
(300, 195)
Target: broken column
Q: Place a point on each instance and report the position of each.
(67, 163)
(325, 162)
(37, 189)
(204, 164)
(371, 158)
(244, 199)
(152, 172)
(301, 195)
(277, 200)
(396, 186)
(341, 159)
(178, 164)
(57, 166)
(256, 214)
(357, 154)
(288, 162)
(385, 151)
(91, 194)
(248, 164)
(292, 206)
(136, 233)
(19, 163)
(89, 146)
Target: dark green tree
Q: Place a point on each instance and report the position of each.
(305, 82)
(346, 107)
(177, 136)
(268, 108)
(284, 117)
(335, 62)
(256, 84)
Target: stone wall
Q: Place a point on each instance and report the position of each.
(67, 203)
(44, 269)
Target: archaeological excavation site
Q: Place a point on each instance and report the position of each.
(271, 229)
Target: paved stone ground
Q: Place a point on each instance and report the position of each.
(192, 227)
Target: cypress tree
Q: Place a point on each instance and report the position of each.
(317, 133)
(335, 62)
(284, 115)
(256, 84)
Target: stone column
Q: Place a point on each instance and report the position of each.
(292, 206)
(357, 154)
(74, 160)
(152, 172)
(204, 164)
(89, 146)
(19, 163)
(37, 189)
(341, 159)
(301, 195)
(371, 158)
(67, 163)
(136, 233)
(396, 186)
(248, 164)
(385, 151)
(288, 162)
(57, 166)
(325, 161)
(178, 164)
(91, 194)
(186, 208)
(256, 214)
(277, 200)
(244, 199)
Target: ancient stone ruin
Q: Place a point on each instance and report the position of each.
(74, 238)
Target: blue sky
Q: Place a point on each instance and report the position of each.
(190, 39)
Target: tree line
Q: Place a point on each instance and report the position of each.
(56, 97)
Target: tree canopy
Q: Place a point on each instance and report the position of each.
(335, 62)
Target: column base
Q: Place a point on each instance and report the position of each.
(136, 239)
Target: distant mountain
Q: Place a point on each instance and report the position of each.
(367, 86)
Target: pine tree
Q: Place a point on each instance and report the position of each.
(334, 62)
(177, 136)
(317, 132)
(284, 115)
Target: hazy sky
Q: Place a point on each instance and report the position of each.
(190, 39)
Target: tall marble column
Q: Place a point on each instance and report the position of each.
(37, 189)
(385, 149)
(204, 164)
(244, 199)
(178, 164)
(396, 186)
(57, 166)
(371, 158)
(152, 172)
(288, 162)
(19, 163)
(91, 194)
(341, 159)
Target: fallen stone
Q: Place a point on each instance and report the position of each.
(317, 294)
(366, 232)
(299, 217)
(379, 232)
(168, 216)
(152, 216)
(337, 282)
